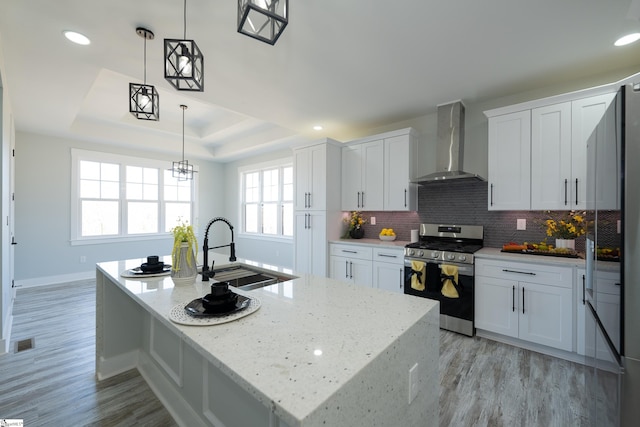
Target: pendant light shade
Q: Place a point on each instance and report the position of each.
(184, 62)
(182, 170)
(264, 20)
(144, 101)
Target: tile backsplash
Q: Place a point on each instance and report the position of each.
(465, 202)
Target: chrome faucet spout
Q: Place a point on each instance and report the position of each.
(206, 273)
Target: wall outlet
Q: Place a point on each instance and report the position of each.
(413, 382)
(83, 259)
(521, 224)
(373, 220)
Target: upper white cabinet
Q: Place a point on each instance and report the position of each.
(377, 173)
(551, 157)
(400, 194)
(363, 176)
(538, 156)
(509, 161)
(311, 177)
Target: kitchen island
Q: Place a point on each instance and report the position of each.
(316, 352)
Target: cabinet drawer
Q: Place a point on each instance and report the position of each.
(390, 255)
(351, 251)
(525, 272)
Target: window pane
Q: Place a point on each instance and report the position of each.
(287, 219)
(134, 191)
(270, 218)
(270, 186)
(142, 218)
(287, 183)
(89, 189)
(134, 174)
(175, 190)
(109, 172)
(110, 190)
(175, 214)
(251, 218)
(150, 176)
(89, 170)
(99, 218)
(150, 191)
(252, 192)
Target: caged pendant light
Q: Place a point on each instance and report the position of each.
(144, 101)
(184, 63)
(264, 20)
(182, 169)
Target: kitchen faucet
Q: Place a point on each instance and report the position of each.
(206, 273)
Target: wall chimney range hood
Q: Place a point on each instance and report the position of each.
(450, 146)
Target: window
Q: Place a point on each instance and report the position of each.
(126, 197)
(267, 199)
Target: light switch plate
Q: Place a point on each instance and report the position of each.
(521, 224)
(373, 220)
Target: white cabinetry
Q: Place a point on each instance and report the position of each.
(509, 161)
(388, 269)
(317, 206)
(538, 155)
(377, 172)
(351, 263)
(400, 194)
(532, 302)
(363, 180)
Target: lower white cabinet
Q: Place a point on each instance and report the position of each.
(388, 269)
(351, 263)
(310, 254)
(373, 267)
(531, 302)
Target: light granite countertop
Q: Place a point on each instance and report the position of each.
(373, 242)
(310, 337)
(496, 253)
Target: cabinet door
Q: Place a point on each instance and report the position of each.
(310, 243)
(339, 269)
(372, 198)
(301, 167)
(509, 161)
(551, 157)
(399, 193)
(302, 243)
(351, 178)
(580, 310)
(317, 199)
(546, 315)
(496, 305)
(361, 272)
(388, 276)
(589, 131)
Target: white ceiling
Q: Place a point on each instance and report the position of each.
(349, 65)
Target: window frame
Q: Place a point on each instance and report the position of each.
(78, 155)
(280, 164)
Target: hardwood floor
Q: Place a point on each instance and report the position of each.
(483, 383)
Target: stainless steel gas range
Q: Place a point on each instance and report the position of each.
(440, 266)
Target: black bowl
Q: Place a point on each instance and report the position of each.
(152, 268)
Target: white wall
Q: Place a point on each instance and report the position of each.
(43, 204)
(269, 251)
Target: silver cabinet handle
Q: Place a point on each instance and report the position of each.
(349, 252)
(518, 272)
(358, 199)
(583, 289)
(565, 191)
(401, 278)
(523, 300)
(576, 191)
(513, 299)
(346, 269)
(309, 201)
(388, 256)
(491, 195)
(309, 221)
(362, 199)
(350, 270)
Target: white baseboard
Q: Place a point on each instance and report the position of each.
(54, 280)
(112, 366)
(182, 413)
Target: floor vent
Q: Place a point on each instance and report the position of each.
(23, 345)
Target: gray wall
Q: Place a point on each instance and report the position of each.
(43, 204)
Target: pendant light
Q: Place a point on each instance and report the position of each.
(144, 102)
(184, 63)
(182, 169)
(264, 20)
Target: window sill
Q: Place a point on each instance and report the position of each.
(118, 239)
(266, 238)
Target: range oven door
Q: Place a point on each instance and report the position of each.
(456, 314)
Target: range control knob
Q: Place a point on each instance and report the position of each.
(435, 254)
(451, 256)
(412, 252)
(421, 253)
(462, 257)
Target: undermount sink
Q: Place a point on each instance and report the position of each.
(246, 278)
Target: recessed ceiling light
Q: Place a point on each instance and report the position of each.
(76, 37)
(628, 39)
(317, 127)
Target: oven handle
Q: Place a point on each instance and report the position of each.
(463, 269)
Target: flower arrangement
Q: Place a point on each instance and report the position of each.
(183, 233)
(571, 227)
(355, 220)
